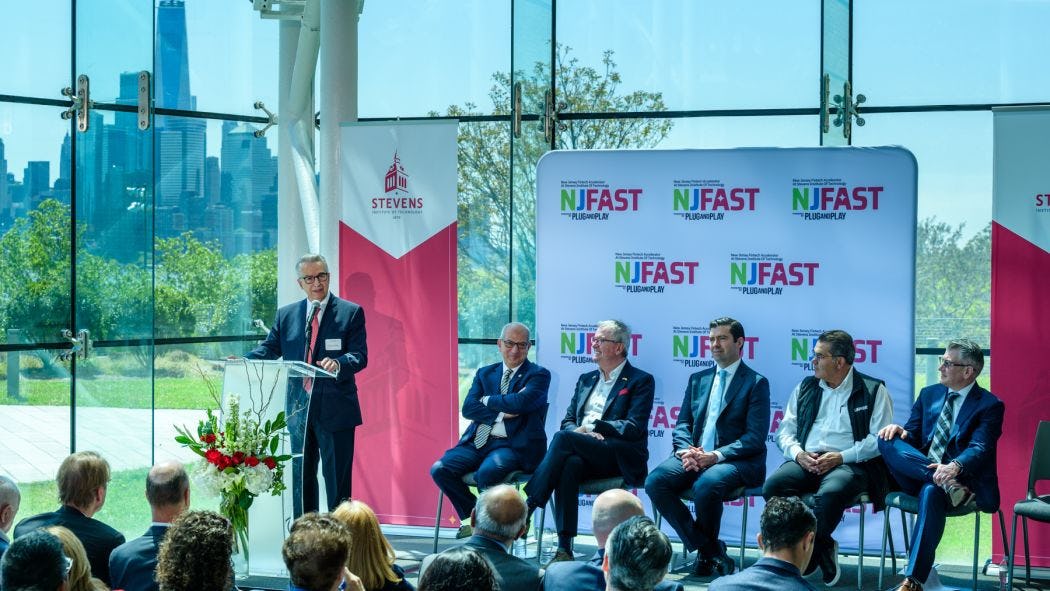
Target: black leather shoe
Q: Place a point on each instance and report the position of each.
(724, 565)
(703, 567)
(830, 566)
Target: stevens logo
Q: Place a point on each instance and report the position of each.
(397, 200)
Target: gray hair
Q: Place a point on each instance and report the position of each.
(310, 258)
(498, 518)
(514, 326)
(969, 351)
(840, 344)
(638, 554)
(618, 331)
(9, 493)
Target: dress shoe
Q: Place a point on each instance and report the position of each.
(829, 566)
(724, 565)
(562, 555)
(703, 567)
(465, 531)
(957, 493)
(910, 584)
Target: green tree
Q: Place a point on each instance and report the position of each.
(953, 278)
(489, 174)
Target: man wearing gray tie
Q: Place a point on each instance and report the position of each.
(719, 445)
(506, 405)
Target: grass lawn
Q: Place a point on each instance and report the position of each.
(115, 392)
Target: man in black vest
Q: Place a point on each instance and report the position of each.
(829, 436)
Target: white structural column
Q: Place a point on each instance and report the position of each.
(338, 89)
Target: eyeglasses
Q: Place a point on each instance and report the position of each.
(821, 357)
(515, 344)
(601, 341)
(311, 279)
(950, 363)
(69, 565)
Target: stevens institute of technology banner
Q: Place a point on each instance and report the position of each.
(1020, 290)
(790, 242)
(397, 253)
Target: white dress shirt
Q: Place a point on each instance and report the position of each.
(595, 405)
(499, 428)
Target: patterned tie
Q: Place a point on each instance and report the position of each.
(944, 427)
(308, 383)
(714, 408)
(481, 435)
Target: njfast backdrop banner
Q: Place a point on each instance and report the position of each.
(791, 242)
(397, 249)
(1020, 315)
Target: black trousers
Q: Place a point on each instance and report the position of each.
(335, 451)
(832, 493)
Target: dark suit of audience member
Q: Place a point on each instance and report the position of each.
(604, 433)
(98, 538)
(946, 452)
(829, 438)
(767, 574)
(719, 446)
(507, 405)
(132, 564)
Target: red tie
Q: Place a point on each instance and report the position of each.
(308, 383)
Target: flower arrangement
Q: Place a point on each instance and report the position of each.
(239, 459)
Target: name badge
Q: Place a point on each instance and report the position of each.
(332, 344)
(860, 408)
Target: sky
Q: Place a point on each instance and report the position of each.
(420, 56)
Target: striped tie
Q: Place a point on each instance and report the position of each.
(944, 427)
(481, 436)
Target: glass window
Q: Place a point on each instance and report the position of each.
(740, 132)
(114, 43)
(689, 55)
(35, 45)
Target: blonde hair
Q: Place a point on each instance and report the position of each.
(371, 555)
(80, 578)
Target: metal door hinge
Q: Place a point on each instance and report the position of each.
(80, 344)
(144, 102)
(847, 110)
(550, 116)
(82, 104)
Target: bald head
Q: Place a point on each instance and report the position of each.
(500, 513)
(10, 499)
(168, 491)
(610, 509)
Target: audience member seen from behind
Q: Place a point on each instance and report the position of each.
(79, 577)
(371, 556)
(315, 553)
(195, 555)
(787, 537)
(459, 569)
(82, 480)
(636, 556)
(10, 499)
(35, 562)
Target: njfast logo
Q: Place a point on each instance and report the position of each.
(662, 419)
(595, 203)
(694, 349)
(576, 344)
(713, 201)
(770, 276)
(824, 202)
(776, 416)
(802, 350)
(655, 272)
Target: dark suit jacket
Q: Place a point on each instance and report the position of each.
(334, 401)
(768, 574)
(742, 425)
(526, 397)
(132, 564)
(98, 538)
(513, 573)
(972, 440)
(625, 420)
(3, 546)
(586, 576)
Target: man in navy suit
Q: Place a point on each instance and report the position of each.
(719, 446)
(507, 406)
(10, 499)
(945, 454)
(604, 433)
(787, 537)
(132, 564)
(611, 508)
(336, 343)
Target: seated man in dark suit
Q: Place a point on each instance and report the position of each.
(132, 564)
(499, 518)
(611, 508)
(945, 454)
(786, 537)
(507, 405)
(719, 446)
(636, 556)
(10, 499)
(35, 562)
(82, 481)
(604, 433)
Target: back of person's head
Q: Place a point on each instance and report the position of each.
(79, 577)
(636, 555)
(33, 562)
(10, 500)
(612, 508)
(79, 478)
(785, 522)
(459, 569)
(316, 551)
(370, 553)
(500, 513)
(195, 554)
(166, 485)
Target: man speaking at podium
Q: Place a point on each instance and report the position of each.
(328, 332)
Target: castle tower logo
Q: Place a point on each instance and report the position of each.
(396, 178)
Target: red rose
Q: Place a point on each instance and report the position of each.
(213, 455)
(238, 458)
(623, 392)
(208, 438)
(251, 461)
(270, 463)
(224, 462)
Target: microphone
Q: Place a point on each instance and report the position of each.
(315, 307)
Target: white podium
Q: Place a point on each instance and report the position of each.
(272, 386)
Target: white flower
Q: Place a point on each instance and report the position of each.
(257, 479)
(208, 479)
